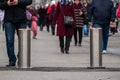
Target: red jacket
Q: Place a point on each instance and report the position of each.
(58, 18)
(49, 10)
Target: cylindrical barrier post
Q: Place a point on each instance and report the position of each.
(24, 48)
(1, 26)
(96, 48)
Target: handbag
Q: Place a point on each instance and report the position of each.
(68, 20)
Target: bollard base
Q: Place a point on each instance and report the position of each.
(96, 68)
(23, 67)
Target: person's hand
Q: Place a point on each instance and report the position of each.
(9, 3)
(111, 22)
(15, 2)
(90, 23)
(80, 13)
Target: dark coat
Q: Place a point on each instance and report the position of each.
(42, 13)
(58, 18)
(102, 12)
(15, 13)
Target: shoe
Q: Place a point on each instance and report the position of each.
(34, 37)
(104, 51)
(48, 31)
(10, 65)
(53, 33)
(113, 33)
(41, 29)
(79, 45)
(67, 52)
(75, 44)
(62, 50)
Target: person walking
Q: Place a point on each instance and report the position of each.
(29, 11)
(50, 14)
(80, 12)
(118, 16)
(42, 14)
(34, 25)
(102, 13)
(63, 31)
(86, 25)
(15, 18)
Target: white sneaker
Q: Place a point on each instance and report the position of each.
(104, 51)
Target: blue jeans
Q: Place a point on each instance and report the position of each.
(86, 30)
(105, 34)
(10, 34)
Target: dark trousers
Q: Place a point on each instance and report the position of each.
(53, 29)
(47, 28)
(78, 34)
(112, 30)
(67, 42)
(41, 23)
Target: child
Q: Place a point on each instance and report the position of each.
(34, 26)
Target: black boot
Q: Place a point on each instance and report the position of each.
(62, 50)
(67, 52)
(53, 33)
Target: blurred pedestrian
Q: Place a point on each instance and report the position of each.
(15, 18)
(86, 25)
(50, 14)
(63, 31)
(29, 12)
(34, 25)
(80, 12)
(118, 16)
(102, 14)
(42, 14)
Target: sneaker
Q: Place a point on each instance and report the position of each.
(104, 51)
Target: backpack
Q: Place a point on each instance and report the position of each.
(118, 12)
(28, 15)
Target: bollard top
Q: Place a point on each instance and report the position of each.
(25, 29)
(95, 28)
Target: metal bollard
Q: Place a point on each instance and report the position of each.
(24, 48)
(1, 27)
(96, 48)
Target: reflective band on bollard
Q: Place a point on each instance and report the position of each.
(24, 48)
(96, 48)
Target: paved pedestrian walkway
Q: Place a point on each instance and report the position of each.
(49, 64)
(45, 52)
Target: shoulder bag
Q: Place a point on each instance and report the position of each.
(68, 20)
